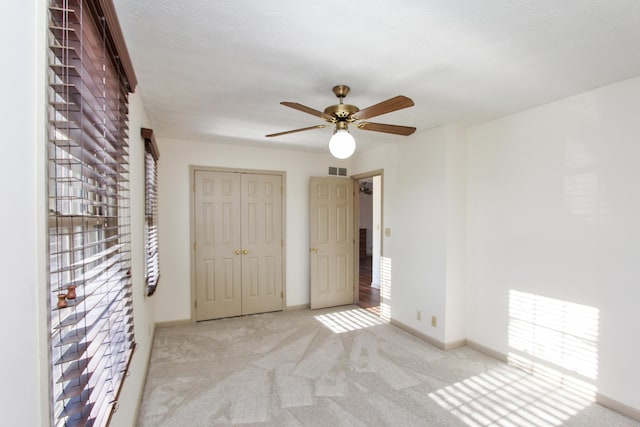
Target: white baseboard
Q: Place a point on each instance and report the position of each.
(488, 351)
(296, 307)
(434, 342)
(620, 407)
(146, 370)
(174, 323)
(455, 344)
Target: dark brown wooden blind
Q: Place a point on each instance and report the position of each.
(152, 256)
(91, 313)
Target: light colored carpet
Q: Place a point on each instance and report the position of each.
(342, 367)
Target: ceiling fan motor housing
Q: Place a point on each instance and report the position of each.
(342, 112)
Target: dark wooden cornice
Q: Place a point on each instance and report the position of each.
(104, 9)
(150, 142)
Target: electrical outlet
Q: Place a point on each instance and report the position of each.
(434, 321)
(418, 315)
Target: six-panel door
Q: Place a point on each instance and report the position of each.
(331, 241)
(218, 245)
(262, 243)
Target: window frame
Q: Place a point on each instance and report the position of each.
(151, 237)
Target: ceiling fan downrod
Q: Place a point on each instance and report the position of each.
(341, 91)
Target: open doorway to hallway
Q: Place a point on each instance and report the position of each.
(369, 224)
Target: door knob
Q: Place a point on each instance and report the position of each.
(237, 252)
(244, 252)
(313, 250)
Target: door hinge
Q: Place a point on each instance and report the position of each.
(195, 304)
(281, 190)
(282, 243)
(194, 246)
(194, 187)
(281, 294)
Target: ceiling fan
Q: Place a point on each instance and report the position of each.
(342, 144)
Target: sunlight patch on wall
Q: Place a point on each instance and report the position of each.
(561, 334)
(348, 320)
(578, 155)
(581, 195)
(582, 188)
(385, 288)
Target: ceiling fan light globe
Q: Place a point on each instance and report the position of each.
(342, 144)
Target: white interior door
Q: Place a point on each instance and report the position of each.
(217, 245)
(331, 241)
(262, 243)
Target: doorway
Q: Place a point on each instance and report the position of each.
(369, 241)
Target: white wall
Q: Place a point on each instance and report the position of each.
(174, 292)
(456, 244)
(554, 211)
(417, 207)
(419, 275)
(23, 214)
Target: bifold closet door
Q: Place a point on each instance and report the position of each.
(262, 243)
(218, 245)
(238, 244)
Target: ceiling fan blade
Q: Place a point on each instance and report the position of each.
(392, 104)
(308, 110)
(381, 127)
(297, 130)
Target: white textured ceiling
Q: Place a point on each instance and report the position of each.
(219, 68)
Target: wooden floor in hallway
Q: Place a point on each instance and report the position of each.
(369, 297)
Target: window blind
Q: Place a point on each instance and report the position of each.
(91, 314)
(152, 256)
